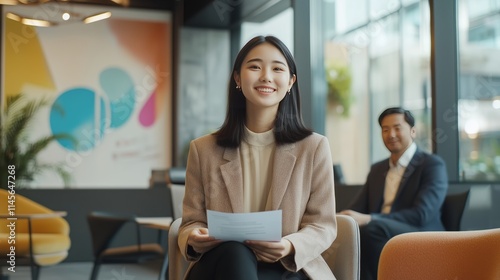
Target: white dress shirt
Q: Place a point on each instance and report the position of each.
(394, 175)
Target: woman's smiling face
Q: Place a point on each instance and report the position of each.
(264, 77)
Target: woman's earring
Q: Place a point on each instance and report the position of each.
(288, 92)
(238, 87)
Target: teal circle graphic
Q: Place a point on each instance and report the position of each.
(120, 91)
(74, 113)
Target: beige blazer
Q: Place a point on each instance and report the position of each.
(302, 186)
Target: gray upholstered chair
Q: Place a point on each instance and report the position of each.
(342, 256)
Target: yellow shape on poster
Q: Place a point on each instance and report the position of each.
(25, 62)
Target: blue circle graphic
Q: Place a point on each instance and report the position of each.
(120, 91)
(74, 113)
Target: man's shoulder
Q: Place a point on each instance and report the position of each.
(384, 162)
(380, 166)
(419, 157)
(426, 157)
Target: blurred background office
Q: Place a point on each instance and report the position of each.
(437, 58)
(366, 55)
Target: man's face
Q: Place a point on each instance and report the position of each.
(397, 133)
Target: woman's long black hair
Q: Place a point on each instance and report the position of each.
(288, 126)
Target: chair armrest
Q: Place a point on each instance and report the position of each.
(177, 264)
(55, 214)
(343, 256)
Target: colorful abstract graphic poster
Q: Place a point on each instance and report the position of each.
(109, 86)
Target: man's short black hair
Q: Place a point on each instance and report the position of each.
(397, 110)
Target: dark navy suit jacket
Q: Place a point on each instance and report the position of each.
(420, 195)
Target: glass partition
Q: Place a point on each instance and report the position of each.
(479, 93)
(377, 57)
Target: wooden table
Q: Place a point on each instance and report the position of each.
(162, 223)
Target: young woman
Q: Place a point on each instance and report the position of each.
(262, 158)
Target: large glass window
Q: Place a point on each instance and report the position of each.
(376, 58)
(479, 94)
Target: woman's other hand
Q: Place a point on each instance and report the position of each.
(271, 251)
(201, 241)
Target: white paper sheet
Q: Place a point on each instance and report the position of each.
(264, 226)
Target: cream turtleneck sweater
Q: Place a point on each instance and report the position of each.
(257, 153)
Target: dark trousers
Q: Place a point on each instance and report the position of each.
(233, 260)
(373, 237)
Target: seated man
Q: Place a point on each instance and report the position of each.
(402, 193)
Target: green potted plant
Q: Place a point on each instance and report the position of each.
(18, 152)
(338, 78)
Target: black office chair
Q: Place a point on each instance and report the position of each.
(104, 227)
(338, 175)
(453, 209)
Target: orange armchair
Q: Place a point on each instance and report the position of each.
(442, 255)
(41, 235)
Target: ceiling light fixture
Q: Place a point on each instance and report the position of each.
(32, 2)
(123, 3)
(30, 21)
(97, 17)
(66, 16)
(9, 2)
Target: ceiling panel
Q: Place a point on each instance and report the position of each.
(218, 14)
(224, 14)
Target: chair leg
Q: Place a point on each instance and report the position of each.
(35, 272)
(164, 268)
(2, 275)
(95, 270)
